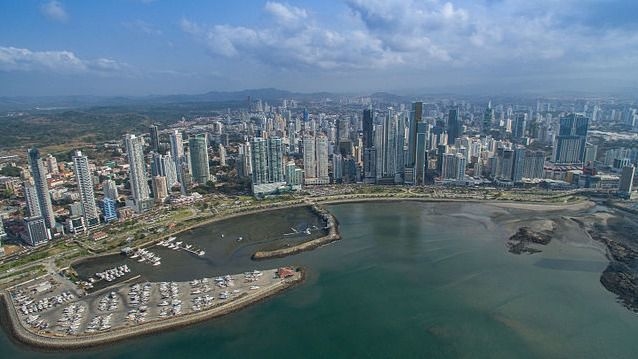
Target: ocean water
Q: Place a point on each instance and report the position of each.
(410, 280)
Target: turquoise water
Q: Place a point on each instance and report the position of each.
(415, 280)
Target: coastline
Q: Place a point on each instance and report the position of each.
(17, 330)
(526, 205)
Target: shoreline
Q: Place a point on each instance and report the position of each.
(525, 205)
(18, 332)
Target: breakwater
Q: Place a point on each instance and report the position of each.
(332, 235)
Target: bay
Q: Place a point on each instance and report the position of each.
(412, 280)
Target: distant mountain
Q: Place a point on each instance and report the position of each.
(60, 102)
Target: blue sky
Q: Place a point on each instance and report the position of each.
(140, 47)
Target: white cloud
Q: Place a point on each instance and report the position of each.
(54, 11)
(286, 15)
(63, 62)
(143, 27)
(506, 36)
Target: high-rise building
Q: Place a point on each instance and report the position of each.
(177, 146)
(155, 145)
(369, 165)
(454, 127)
(222, 155)
(337, 168)
(85, 187)
(569, 146)
(315, 155)
(391, 143)
(109, 209)
(109, 187)
(276, 160)
(37, 232)
(267, 165)
(368, 128)
(520, 124)
(43, 199)
(137, 173)
(421, 158)
(160, 189)
(294, 175)
(488, 118)
(3, 234)
(534, 166)
(52, 165)
(31, 198)
(163, 165)
(198, 151)
(177, 154)
(518, 169)
(415, 118)
(627, 180)
(453, 167)
(343, 129)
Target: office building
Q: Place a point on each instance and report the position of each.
(36, 231)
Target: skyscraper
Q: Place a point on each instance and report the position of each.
(627, 180)
(520, 124)
(154, 138)
(315, 155)
(43, 199)
(163, 165)
(368, 126)
(109, 188)
(85, 187)
(31, 198)
(569, 146)
(276, 159)
(488, 118)
(421, 162)
(198, 150)
(137, 172)
(534, 164)
(519, 164)
(177, 154)
(453, 126)
(267, 165)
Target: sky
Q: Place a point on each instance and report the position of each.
(154, 47)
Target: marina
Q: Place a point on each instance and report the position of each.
(170, 243)
(59, 312)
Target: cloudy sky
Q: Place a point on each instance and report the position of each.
(140, 47)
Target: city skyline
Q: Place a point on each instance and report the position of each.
(159, 47)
